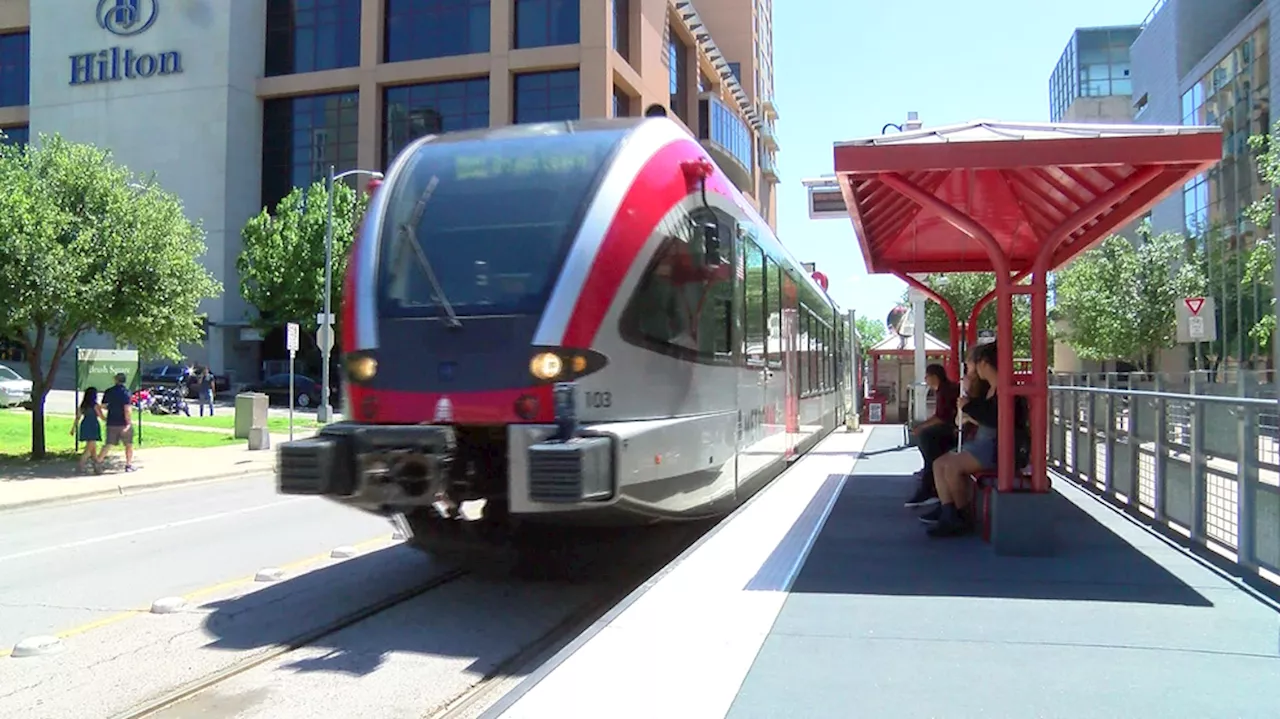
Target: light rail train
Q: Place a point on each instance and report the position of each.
(568, 324)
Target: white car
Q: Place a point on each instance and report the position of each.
(14, 390)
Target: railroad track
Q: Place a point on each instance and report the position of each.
(312, 636)
(498, 680)
(492, 686)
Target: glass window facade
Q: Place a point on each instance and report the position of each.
(420, 29)
(411, 111)
(15, 69)
(677, 71)
(312, 35)
(17, 135)
(1236, 95)
(1095, 63)
(721, 125)
(621, 103)
(622, 28)
(302, 136)
(546, 96)
(540, 23)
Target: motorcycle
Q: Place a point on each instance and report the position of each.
(170, 400)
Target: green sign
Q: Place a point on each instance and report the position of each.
(98, 368)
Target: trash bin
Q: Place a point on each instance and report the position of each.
(251, 412)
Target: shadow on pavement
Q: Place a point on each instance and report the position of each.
(478, 618)
(872, 545)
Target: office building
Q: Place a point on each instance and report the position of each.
(233, 103)
(1091, 82)
(1209, 63)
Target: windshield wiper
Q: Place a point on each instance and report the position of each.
(408, 229)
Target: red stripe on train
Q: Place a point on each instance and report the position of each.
(349, 293)
(658, 187)
(488, 407)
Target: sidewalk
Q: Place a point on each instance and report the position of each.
(59, 480)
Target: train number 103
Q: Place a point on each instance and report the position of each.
(598, 400)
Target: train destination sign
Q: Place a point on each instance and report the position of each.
(124, 18)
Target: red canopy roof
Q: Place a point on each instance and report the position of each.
(1019, 181)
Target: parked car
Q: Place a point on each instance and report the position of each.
(14, 390)
(276, 387)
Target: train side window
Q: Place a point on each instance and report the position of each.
(806, 350)
(754, 291)
(683, 305)
(773, 312)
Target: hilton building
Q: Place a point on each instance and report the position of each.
(231, 103)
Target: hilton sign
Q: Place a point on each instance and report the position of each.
(124, 18)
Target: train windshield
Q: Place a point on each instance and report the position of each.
(480, 225)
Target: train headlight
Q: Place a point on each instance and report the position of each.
(546, 365)
(362, 368)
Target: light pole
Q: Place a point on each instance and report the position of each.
(325, 413)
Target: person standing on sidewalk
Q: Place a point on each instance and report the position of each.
(205, 387)
(119, 421)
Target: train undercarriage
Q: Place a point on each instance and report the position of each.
(452, 486)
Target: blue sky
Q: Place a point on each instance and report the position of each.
(843, 68)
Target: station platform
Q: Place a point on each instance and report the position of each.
(824, 597)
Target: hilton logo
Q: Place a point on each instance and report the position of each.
(124, 18)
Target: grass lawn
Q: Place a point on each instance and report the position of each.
(226, 419)
(15, 435)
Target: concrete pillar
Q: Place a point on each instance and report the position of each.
(919, 410)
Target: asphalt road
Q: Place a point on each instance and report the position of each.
(65, 566)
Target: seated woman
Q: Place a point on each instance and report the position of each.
(980, 407)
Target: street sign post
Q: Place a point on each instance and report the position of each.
(291, 342)
(1195, 318)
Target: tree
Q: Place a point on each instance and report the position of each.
(963, 290)
(87, 247)
(1120, 300)
(281, 263)
(1260, 267)
(870, 331)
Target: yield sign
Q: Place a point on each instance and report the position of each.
(1194, 304)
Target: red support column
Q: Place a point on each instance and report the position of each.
(1004, 314)
(1037, 389)
(953, 362)
(972, 337)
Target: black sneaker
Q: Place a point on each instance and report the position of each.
(931, 517)
(924, 497)
(951, 524)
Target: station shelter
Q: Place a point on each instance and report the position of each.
(1018, 200)
(892, 359)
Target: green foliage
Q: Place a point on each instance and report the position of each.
(1260, 273)
(1120, 301)
(1260, 267)
(281, 263)
(870, 331)
(89, 248)
(963, 290)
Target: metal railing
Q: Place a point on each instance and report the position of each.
(1200, 458)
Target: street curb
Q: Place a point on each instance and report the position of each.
(118, 491)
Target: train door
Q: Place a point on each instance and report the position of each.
(791, 362)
